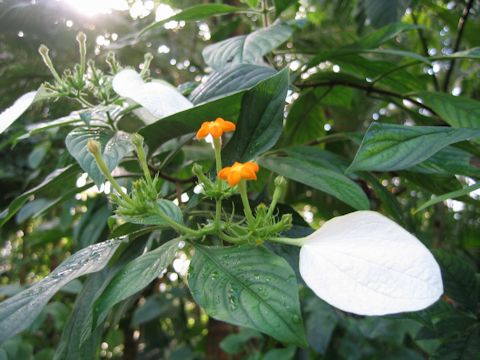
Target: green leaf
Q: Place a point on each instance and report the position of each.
(466, 347)
(252, 3)
(450, 160)
(451, 195)
(321, 322)
(91, 225)
(168, 207)
(305, 119)
(135, 276)
(19, 311)
(388, 200)
(388, 147)
(56, 179)
(248, 49)
(230, 80)
(261, 120)
(189, 121)
(248, 286)
(459, 280)
(318, 169)
(383, 12)
(77, 340)
(280, 354)
(281, 5)
(473, 53)
(455, 110)
(197, 12)
(235, 343)
(366, 43)
(114, 147)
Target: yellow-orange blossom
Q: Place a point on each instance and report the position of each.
(233, 174)
(215, 128)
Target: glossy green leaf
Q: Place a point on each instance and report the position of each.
(230, 80)
(114, 147)
(457, 111)
(135, 276)
(57, 178)
(388, 147)
(305, 119)
(450, 160)
(246, 48)
(189, 121)
(261, 120)
(318, 169)
(248, 286)
(19, 311)
(459, 279)
(168, 208)
(79, 340)
(197, 12)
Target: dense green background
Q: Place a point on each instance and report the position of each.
(360, 71)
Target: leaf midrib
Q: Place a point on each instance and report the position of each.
(246, 287)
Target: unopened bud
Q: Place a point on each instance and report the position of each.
(81, 38)
(148, 57)
(280, 181)
(43, 50)
(93, 146)
(286, 220)
(137, 140)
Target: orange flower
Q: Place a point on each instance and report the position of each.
(215, 128)
(233, 174)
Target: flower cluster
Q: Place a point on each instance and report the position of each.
(361, 262)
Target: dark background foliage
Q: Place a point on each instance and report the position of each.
(343, 78)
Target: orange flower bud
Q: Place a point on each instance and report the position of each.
(215, 128)
(233, 174)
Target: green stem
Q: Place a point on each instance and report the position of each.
(142, 158)
(218, 210)
(178, 227)
(217, 144)
(106, 172)
(289, 241)
(276, 195)
(242, 188)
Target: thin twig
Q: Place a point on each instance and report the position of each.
(460, 28)
(368, 89)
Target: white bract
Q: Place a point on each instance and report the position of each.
(12, 113)
(364, 263)
(158, 98)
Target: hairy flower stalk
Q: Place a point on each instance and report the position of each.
(95, 149)
(43, 50)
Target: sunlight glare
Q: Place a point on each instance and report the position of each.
(92, 8)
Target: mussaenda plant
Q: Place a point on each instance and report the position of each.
(362, 262)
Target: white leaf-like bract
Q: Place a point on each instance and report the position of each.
(12, 113)
(159, 98)
(365, 263)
